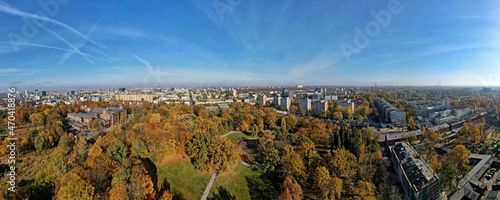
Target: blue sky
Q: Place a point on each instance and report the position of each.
(73, 44)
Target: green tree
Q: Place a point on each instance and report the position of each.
(40, 143)
(139, 149)
(269, 154)
(122, 175)
(448, 174)
(123, 117)
(96, 123)
(117, 150)
(223, 154)
(411, 137)
(41, 190)
(197, 150)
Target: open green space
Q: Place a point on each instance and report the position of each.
(184, 180)
(243, 183)
(234, 185)
(235, 137)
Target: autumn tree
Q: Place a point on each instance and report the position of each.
(434, 162)
(166, 195)
(293, 164)
(223, 154)
(365, 190)
(74, 187)
(459, 156)
(141, 186)
(326, 187)
(36, 119)
(363, 110)
(119, 192)
(309, 154)
(411, 124)
(344, 164)
(291, 190)
(338, 116)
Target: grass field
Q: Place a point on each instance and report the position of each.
(234, 184)
(237, 136)
(185, 181)
(188, 183)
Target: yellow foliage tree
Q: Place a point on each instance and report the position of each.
(119, 192)
(365, 190)
(74, 187)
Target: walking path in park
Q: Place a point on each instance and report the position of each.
(209, 186)
(212, 180)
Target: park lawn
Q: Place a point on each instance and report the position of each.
(234, 184)
(185, 181)
(188, 183)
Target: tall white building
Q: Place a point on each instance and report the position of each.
(305, 104)
(232, 93)
(445, 102)
(277, 100)
(285, 103)
(262, 99)
(347, 104)
(319, 106)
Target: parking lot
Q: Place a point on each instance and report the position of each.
(491, 178)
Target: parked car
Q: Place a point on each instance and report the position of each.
(488, 176)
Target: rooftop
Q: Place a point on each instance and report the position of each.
(416, 170)
(89, 115)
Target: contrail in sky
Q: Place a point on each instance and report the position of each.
(5, 8)
(69, 44)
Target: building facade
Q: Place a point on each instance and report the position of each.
(389, 112)
(135, 97)
(305, 104)
(285, 103)
(319, 107)
(417, 178)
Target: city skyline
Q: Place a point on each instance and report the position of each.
(88, 45)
